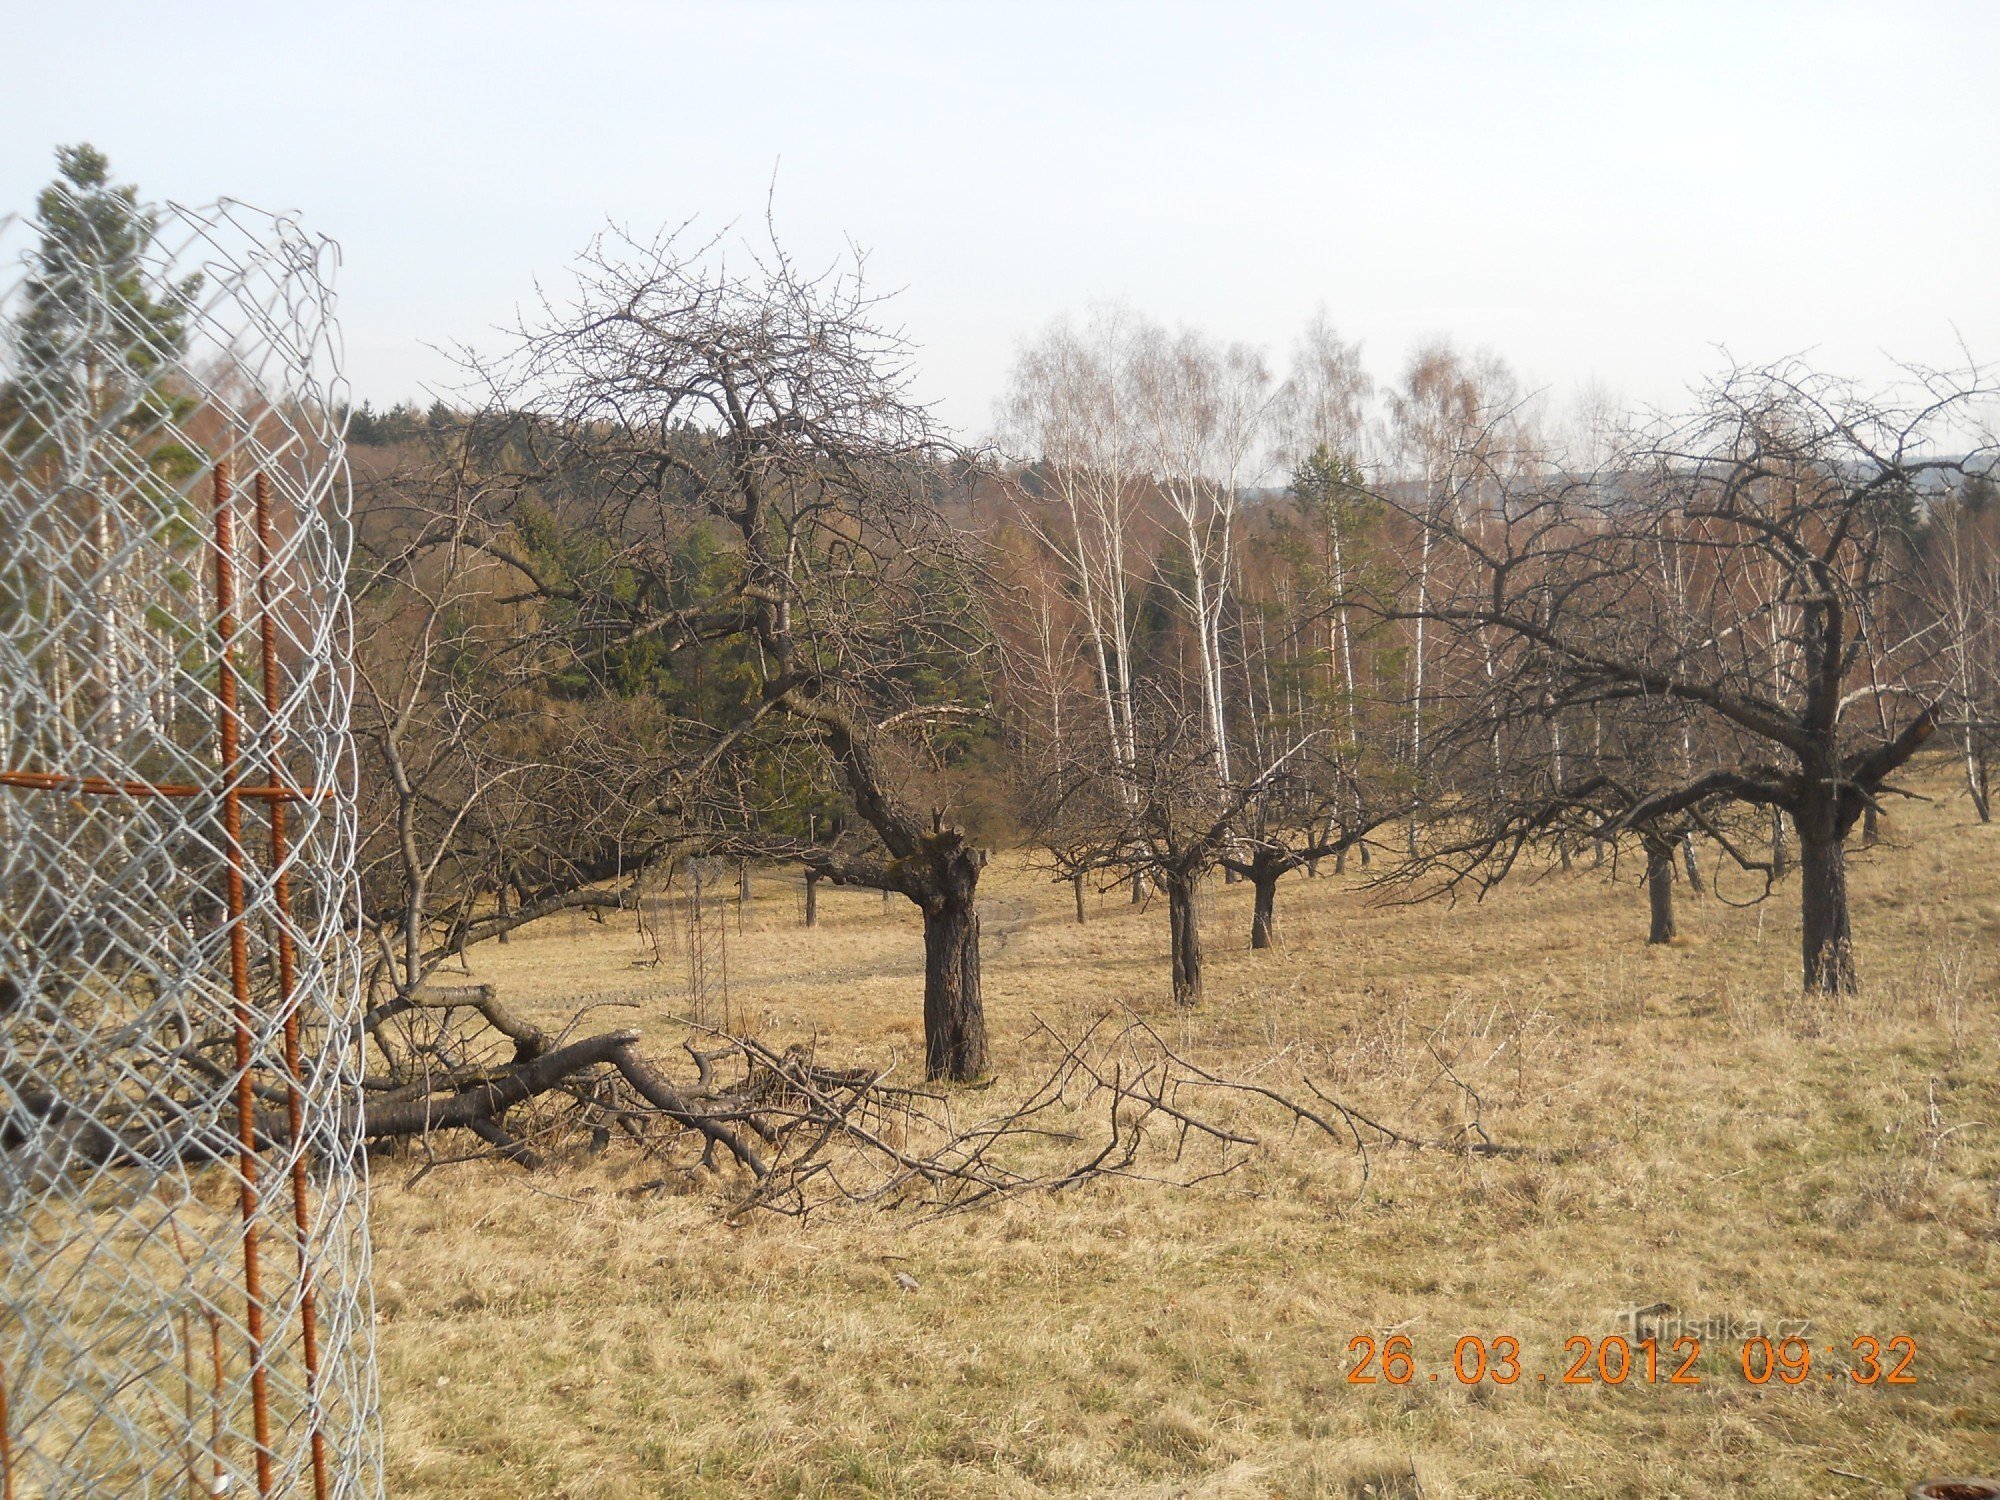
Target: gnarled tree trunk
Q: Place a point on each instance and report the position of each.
(1264, 916)
(954, 1020)
(1660, 891)
(938, 868)
(1185, 934)
(1825, 933)
(945, 886)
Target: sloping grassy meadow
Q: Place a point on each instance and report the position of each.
(1700, 1136)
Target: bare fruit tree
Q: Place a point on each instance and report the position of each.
(1187, 674)
(1787, 499)
(488, 797)
(724, 463)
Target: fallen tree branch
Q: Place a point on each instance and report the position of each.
(797, 1134)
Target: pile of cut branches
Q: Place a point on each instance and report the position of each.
(786, 1132)
(456, 1075)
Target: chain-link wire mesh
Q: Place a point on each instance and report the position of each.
(183, 1243)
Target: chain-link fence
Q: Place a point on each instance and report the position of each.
(184, 1305)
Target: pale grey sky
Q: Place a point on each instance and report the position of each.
(1601, 193)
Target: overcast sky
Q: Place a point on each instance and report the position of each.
(1601, 193)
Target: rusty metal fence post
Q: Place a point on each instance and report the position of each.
(184, 1304)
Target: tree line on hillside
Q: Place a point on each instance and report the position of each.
(693, 570)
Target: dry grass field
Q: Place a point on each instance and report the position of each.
(1701, 1137)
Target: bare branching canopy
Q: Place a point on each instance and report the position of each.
(712, 498)
(1718, 617)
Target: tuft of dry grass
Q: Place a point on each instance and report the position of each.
(1711, 1140)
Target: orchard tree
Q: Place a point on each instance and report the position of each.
(1187, 675)
(1784, 504)
(491, 793)
(1164, 819)
(722, 456)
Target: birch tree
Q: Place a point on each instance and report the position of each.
(1961, 588)
(1203, 407)
(1068, 427)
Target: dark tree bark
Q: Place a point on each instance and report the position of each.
(954, 1017)
(1264, 917)
(1270, 863)
(812, 898)
(1828, 941)
(1825, 934)
(938, 869)
(1076, 886)
(1185, 934)
(1660, 890)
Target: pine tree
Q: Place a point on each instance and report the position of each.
(91, 413)
(96, 326)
